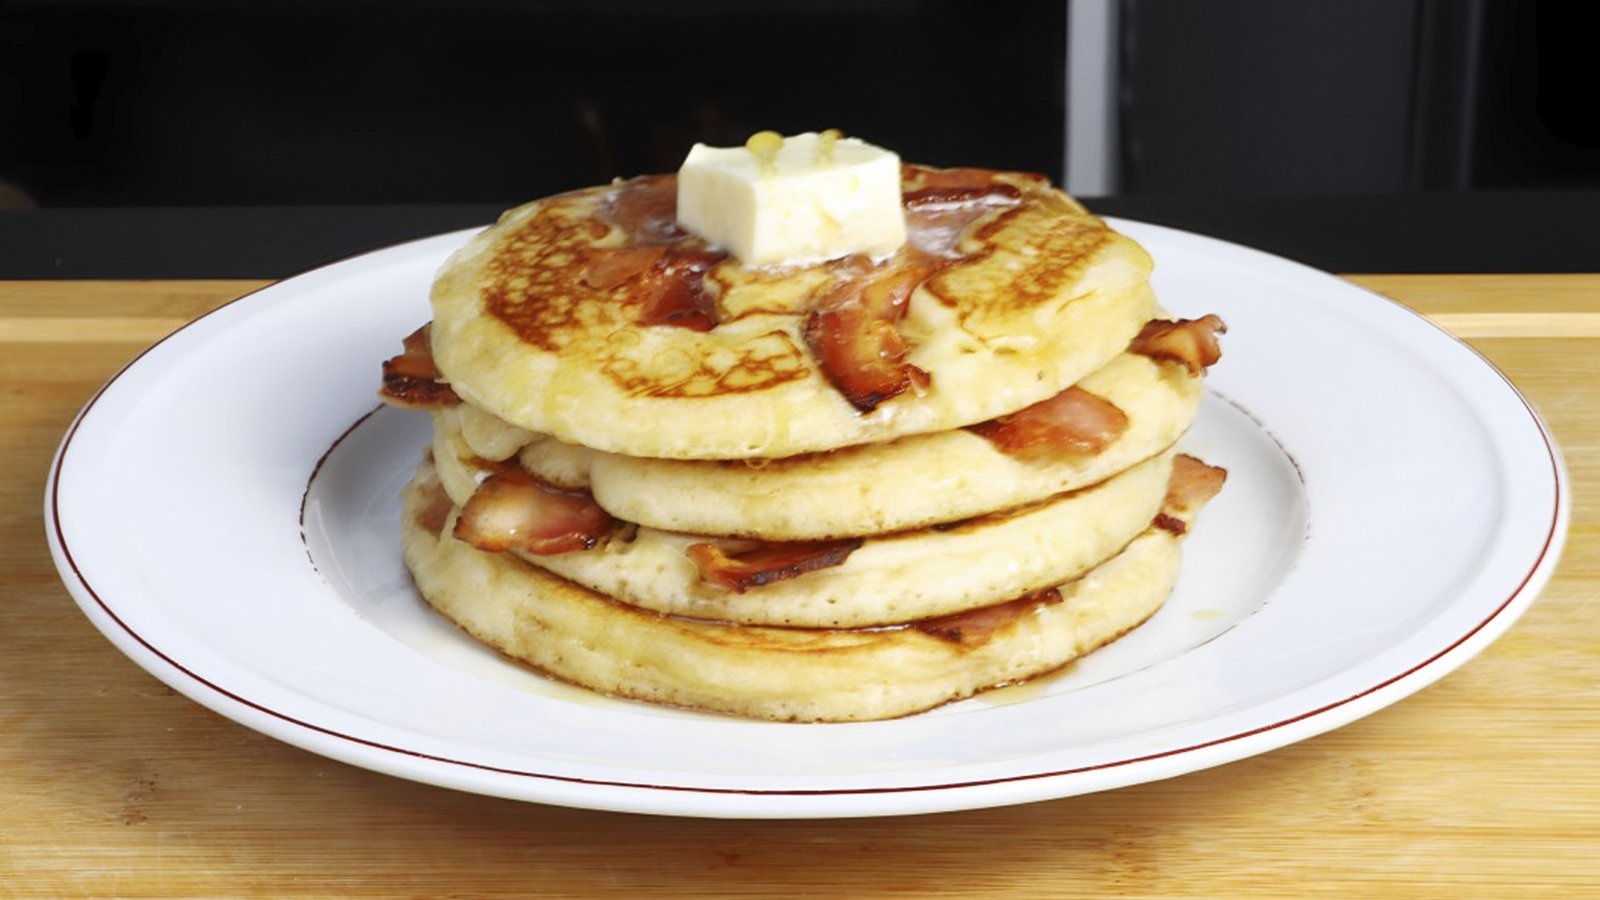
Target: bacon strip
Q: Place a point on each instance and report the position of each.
(975, 626)
(946, 202)
(1072, 422)
(863, 357)
(1170, 524)
(959, 177)
(411, 380)
(1190, 342)
(513, 510)
(675, 290)
(852, 334)
(987, 193)
(646, 209)
(766, 563)
(611, 268)
(1193, 484)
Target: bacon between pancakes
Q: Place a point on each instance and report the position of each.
(1190, 342)
(513, 510)
(767, 562)
(1193, 484)
(412, 380)
(1076, 421)
(1072, 422)
(975, 626)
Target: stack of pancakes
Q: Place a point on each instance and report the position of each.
(844, 491)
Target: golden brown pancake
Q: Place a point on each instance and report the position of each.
(841, 491)
(787, 674)
(888, 578)
(541, 322)
(911, 482)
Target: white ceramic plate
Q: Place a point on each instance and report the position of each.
(1393, 505)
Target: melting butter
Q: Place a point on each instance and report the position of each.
(793, 200)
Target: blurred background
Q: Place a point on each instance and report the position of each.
(182, 103)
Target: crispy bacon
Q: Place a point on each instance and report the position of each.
(862, 356)
(937, 229)
(611, 268)
(946, 203)
(1170, 524)
(765, 563)
(513, 510)
(975, 626)
(412, 380)
(989, 193)
(959, 178)
(1070, 423)
(852, 334)
(665, 268)
(1193, 483)
(1190, 342)
(646, 209)
(675, 290)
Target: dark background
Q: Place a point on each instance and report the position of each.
(318, 129)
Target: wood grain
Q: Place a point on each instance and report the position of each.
(1484, 785)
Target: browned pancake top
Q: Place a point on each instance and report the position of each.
(600, 262)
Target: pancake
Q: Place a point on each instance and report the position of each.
(785, 674)
(539, 322)
(911, 482)
(888, 578)
(838, 490)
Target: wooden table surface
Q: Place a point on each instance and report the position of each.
(1485, 784)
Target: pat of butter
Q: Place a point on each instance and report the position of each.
(816, 197)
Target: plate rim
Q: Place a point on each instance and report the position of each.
(956, 794)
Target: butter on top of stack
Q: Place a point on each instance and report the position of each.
(801, 433)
